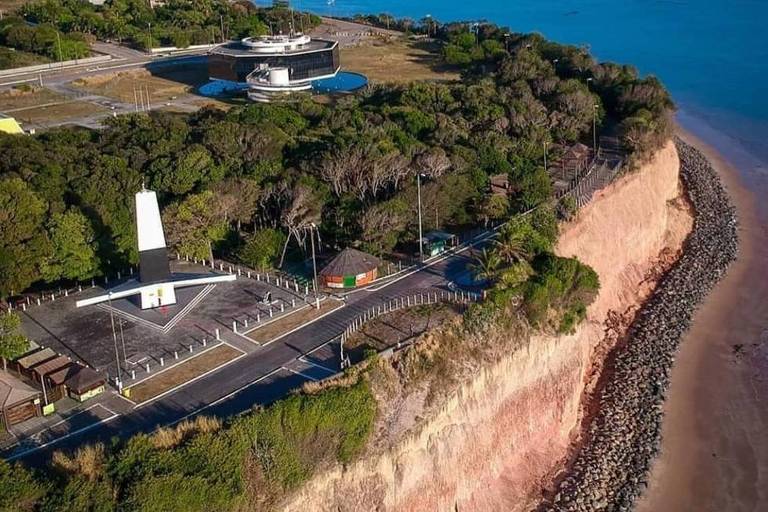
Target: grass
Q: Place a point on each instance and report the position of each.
(27, 96)
(163, 85)
(57, 113)
(202, 465)
(182, 373)
(292, 321)
(396, 60)
(11, 58)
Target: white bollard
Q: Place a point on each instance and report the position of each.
(195, 260)
(191, 349)
(282, 307)
(306, 289)
(296, 287)
(230, 269)
(53, 297)
(162, 361)
(147, 367)
(246, 323)
(66, 293)
(277, 280)
(202, 262)
(267, 277)
(317, 302)
(23, 307)
(79, 288)
(133, 374)
(293, 303)
(270, 311)
(175, 354)
(221, 267)
(258, 277)
(93, 283)
(249, 274)
(218, 335)
(38, 301)
(239, 270)
(205, 342)
(234, 326)
(118, 275)
(258, 318)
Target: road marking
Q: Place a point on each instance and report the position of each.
(70, 434)
(299, 374)
(324, 368)
(177, 388)
(343, 304)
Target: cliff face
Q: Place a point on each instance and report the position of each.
(502, 435)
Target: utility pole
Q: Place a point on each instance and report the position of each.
(58, 43)
(421, 237)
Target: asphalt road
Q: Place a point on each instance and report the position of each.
(259, 378)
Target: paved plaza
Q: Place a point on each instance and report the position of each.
(159, 337)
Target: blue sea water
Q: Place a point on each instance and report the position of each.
(711, 54)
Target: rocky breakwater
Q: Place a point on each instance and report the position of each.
(610, 468)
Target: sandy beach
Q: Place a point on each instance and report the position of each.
(715, 430)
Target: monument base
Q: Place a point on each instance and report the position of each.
(154, 296)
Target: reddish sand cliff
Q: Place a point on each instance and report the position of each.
(496, 441)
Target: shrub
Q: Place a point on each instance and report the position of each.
(262, 249)
(20, 491)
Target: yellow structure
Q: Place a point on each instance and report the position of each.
(10, 125)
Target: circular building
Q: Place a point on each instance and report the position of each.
(349, 269)
(275, 65)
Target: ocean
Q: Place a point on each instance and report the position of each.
(711, 54)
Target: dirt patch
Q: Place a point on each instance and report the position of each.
(51, 114)
(161, 85)
(28, 96)
(396, 60)
(182, 373)
(292, 321)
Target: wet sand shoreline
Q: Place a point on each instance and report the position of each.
(714, 452)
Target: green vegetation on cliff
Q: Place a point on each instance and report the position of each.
(200, 464)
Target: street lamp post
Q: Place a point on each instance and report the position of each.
(114, 337)
(312, 228)
(506, 41)
(421, 238)
(594, 130)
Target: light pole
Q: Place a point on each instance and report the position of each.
(312, 228)
(506, 41)
(149, 38)
(114, 337)
(429, 25)
(594, 130)
(421, 238)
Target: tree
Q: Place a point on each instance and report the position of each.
(22, 237)
(12, 342)
(262, 249)
(382, 224)
(511, 245)
(485, 265)
(193, 225)
(494, 207)
(73, 248)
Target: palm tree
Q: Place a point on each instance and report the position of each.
(511, 246)
(486, 265)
